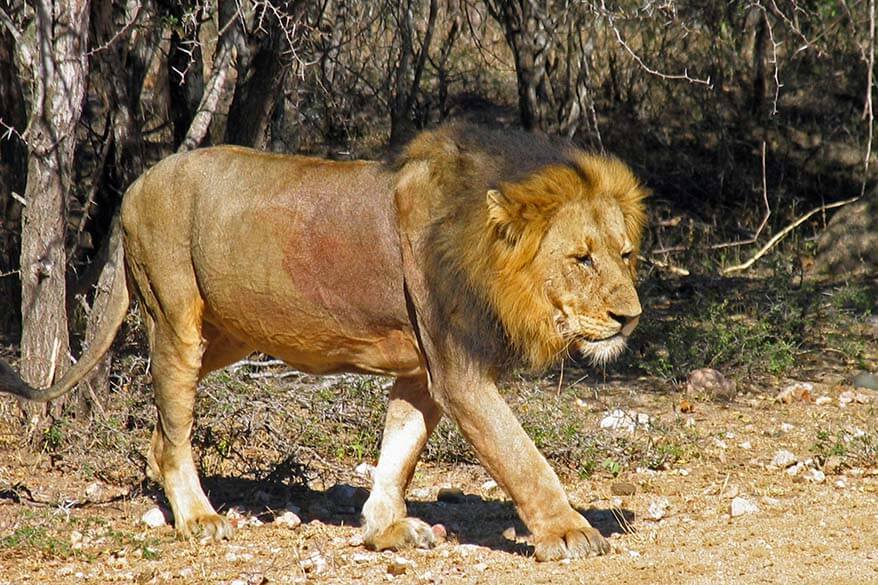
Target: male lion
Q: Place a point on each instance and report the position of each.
(479, 250)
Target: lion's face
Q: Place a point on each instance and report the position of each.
(586, 262)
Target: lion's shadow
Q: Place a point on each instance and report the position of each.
(469, 519)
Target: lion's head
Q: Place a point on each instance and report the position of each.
(534, 237)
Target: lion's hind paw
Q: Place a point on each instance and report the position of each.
(405, 533)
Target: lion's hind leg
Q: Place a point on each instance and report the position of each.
(411, 417)
(176, 361)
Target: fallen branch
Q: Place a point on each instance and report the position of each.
(664, 266)
(784, 233)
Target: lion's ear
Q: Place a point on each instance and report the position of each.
(503, 215)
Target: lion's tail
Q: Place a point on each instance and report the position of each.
(114, 314)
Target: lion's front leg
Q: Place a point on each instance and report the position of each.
(511, 457)
(411, 417)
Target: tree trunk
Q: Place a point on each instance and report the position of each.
(60, 70)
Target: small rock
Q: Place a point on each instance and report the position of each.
(786, 427)
(315, 563)
(833, 464)
(288, 519)
(745, 445)
(865, 380)
(783, 459)
(741, 506)
(840, 483)
(822, 400)
(94, 491)
(509, 533)
(361, 557)
(711, 384)
(794, 470)
(365, 471)
(154, 517)
(796, 392)
(619, 420)
(76, 540)
(399, 566)
(450, 495)
(658, 508)
(846, 398)
(815, 476)
(489, 485)
(623, 488)
(616, 502)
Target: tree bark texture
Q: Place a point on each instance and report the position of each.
(60, 70)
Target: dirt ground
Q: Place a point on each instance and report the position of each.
(807, 527)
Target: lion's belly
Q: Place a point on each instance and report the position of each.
(307, 268)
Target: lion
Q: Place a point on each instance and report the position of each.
(475, 252)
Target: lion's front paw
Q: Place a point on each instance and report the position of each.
(210, 526)
(575, 543)
(405, 533)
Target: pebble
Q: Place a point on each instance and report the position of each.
(361, 557)
(833, 464)
(815, 476)
(794, 470)
(786, 427)
(841, 483)
(94, 491)
(489, 485)
(315, 563)
(823, 400)
(154, 517)
(658, 508)
(623, 488)
(620, 420)
(741, 506)
(796, 392)
(783, 459)
(712, 384)
(399, 566)
(745, 445)
(288, 519)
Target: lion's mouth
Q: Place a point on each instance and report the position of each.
(603, 351)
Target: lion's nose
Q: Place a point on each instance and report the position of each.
(628, 322)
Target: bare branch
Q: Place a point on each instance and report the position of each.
(123, 32)
(785, 232)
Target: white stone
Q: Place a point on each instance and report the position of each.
(783, 459)
(153, 518)
(741, 506)
(620, 420)
(794, 470)
(823, 400)
(658, 508)
(361, 557)
(288, 519)
(815, 476)
(489, 485)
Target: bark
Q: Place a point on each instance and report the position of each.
(127, 146)
(60, 70)
(216, 86)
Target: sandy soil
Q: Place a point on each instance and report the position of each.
(676, 528)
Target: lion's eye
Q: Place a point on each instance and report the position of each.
(585, 260)
(626, 257)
